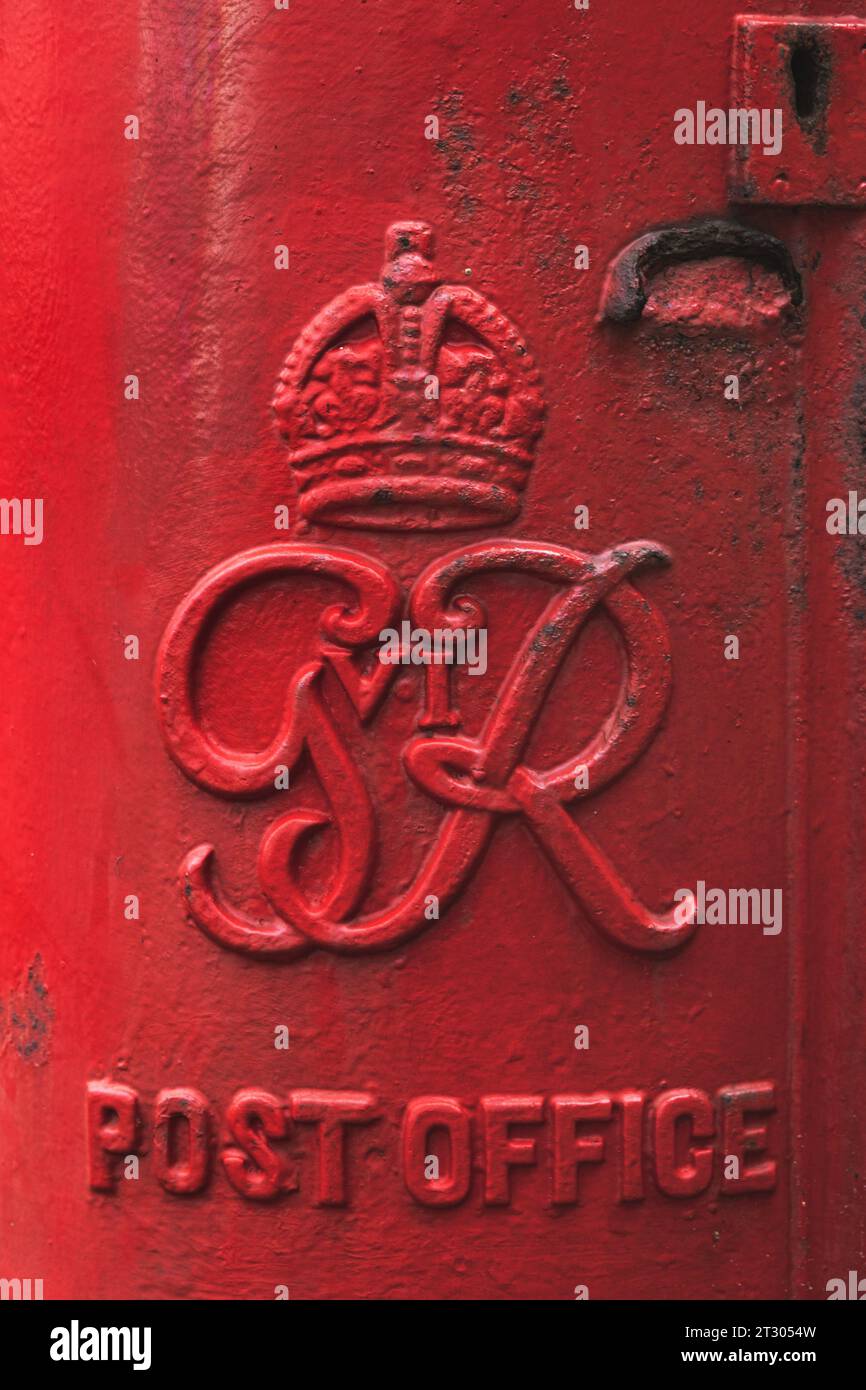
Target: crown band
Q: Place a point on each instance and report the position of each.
(409, 503)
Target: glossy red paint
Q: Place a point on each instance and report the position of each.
(326, 976)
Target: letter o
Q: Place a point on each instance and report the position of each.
(426, 1113)
(190, 1173)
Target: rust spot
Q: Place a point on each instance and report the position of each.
(458, 149)
(29, 1015)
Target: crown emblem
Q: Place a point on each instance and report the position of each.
(410, 403)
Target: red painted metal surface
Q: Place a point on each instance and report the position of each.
(332, 978)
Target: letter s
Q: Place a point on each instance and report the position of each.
(253, 1168)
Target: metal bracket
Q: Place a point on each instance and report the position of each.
(810, 74)
(626, 285)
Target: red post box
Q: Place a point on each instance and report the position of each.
(433, 728)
